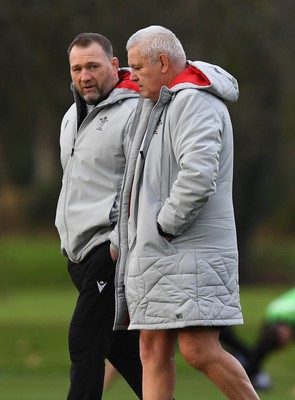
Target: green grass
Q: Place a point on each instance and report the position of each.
(31, 262)
(36, 302)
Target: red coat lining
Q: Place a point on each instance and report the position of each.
(125, 81)
(191, 75)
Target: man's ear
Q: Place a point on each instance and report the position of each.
(164, 62)
(115, 63)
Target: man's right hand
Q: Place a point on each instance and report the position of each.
(114, 255)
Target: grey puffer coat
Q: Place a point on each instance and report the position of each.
(180, 172)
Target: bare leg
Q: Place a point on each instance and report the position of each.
(157, 350)
(202, 350)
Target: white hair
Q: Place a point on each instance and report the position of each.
(155, 40)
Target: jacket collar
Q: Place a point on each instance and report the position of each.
(191, 75)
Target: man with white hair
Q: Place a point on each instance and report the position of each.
(178, 264)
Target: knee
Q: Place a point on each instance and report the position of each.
(195, 359)
(156, 347)
(149, 348)
(200, 347)
(200, 355)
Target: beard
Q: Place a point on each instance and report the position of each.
(95, 96)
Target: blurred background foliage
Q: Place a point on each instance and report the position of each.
(254, 40)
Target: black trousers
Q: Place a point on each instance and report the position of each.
(91, 335)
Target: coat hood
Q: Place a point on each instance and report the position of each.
(210, 78)
(125, 82)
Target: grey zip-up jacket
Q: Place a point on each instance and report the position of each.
(179, 173)
(93, 153)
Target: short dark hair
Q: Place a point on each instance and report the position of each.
(86, 39)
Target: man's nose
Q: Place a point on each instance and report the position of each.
(85, 75)
(133, 76)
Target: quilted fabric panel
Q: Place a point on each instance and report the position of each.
(183, 290)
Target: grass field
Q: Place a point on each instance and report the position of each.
(36, 301)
